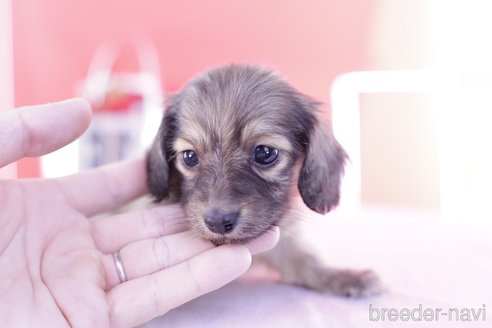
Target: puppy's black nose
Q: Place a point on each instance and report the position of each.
(219, 222)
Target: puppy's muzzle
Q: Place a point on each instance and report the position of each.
(220, 222)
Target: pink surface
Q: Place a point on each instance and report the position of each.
(422, 259)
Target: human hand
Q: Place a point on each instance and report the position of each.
(56, 265)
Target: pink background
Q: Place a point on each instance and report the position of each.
(310, 42)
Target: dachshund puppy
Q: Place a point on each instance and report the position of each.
(233, 146)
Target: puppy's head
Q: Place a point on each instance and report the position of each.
(230, 144)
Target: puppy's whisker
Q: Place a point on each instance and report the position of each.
(293, 218)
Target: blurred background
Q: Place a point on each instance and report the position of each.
(420, 147)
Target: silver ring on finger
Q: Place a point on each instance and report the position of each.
(119, 267)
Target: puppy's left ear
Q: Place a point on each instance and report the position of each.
(323, 167)
(162, 179)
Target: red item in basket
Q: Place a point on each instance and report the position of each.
(119, 102)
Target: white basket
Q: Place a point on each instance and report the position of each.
(114, 136)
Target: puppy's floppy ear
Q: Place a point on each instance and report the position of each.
(323, 167)
(162, 178)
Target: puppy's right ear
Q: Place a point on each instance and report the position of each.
(323, 167)
(160, 169)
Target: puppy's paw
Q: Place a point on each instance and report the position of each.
(354, 284)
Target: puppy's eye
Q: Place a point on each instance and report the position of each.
(265, 155)
(190, 158)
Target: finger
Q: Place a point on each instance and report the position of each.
(151, 255)
(105, 188)
(38, 130)
(140, 300)
(111, 233)
(265, 242)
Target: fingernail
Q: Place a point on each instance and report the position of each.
(265, 242)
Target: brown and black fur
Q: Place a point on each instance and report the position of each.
(223, 115)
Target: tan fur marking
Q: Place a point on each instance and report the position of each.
(182, 144)
(276, 141)
(272, 173)
(179, 146)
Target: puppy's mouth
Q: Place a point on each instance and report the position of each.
(219, 240)
(232, 241)
(240, 231)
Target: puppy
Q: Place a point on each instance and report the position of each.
(232, 147)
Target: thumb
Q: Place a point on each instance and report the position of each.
(38, 130)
